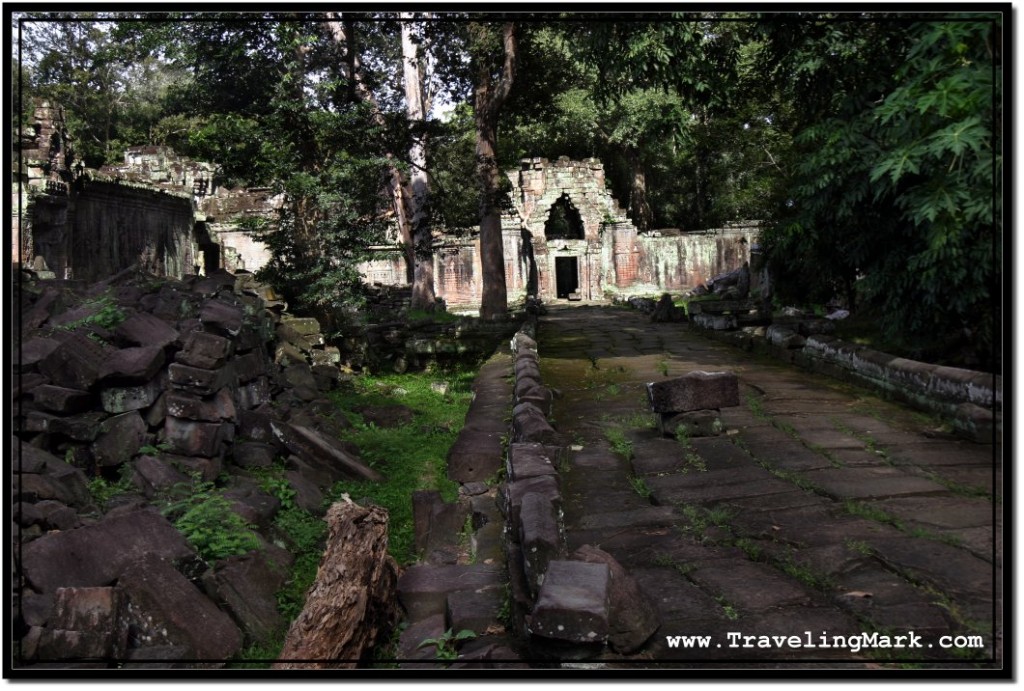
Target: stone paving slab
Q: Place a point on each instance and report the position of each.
(942, 453)
(781, 451)
(949, 568)
(751, 586)
(673, 595)
(942, 512)
(870, 483)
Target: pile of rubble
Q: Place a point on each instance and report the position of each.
(158, 387)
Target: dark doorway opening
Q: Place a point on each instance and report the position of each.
(567, 276)
(564, 221)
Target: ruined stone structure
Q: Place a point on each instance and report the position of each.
(568, 239)
(159, 211)
(565, 238)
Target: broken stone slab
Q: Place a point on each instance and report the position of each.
(120, 438)
(165, 608)
(540, 536)
(201, 381)
(423, 589)
(221, 317)
(573, 603)
(204, 350)
(181, 404)
(530, 425)
(191, 438)
(97, 554)
(694, 391)
(528, 459)
(97, 611)
(83, 427)
(153, 475)
(32, 352)
(123, 399)
(58, 399)
(322, 452)
(144, 329)
(132, 365)
(246, 586)
(695, 423)
(75, 363)
(632, 616)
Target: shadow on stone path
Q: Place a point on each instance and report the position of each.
(821, 509)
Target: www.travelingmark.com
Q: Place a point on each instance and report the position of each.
(807, 640)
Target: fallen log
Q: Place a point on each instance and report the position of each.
(352, 604)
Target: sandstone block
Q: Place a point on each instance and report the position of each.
(143, 328)
(191, 438)
(632, 617)
(132, 365)
(122, 399)
(540, 537)
(120, 438)
(221, 317)
(247, 587)
(527, 459)
(204, 350)
(573, 603)
(694, 391)
(58, 399)
(200, 381)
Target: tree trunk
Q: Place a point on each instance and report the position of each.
(343, 36)
(352, 604)
(638, 205)
(488, 96)
(418, 189)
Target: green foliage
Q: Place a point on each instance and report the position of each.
(446, 643)
(620, 445)
(204, 516)
(107, 315)
(412, 456)
(102, 490)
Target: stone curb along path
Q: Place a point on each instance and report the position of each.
(845, 526)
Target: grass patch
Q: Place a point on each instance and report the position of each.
(640, 486)
(620, 445)
(411, 456)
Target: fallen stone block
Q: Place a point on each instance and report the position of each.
(530, 425)
(143, 328)
(97, 554)
(98, 612)
(132, 365)
(255, 393)
(540, 536)
(153, 475)
(208, 469)
(412, 640)
(715, 322)
(322, 452)
(246, 586)
(32, 352)
(58, 399)
(221, 317)
(123, 399)
(521, 341)
(191, 438)
(573, 603)
(545, 485)
(307, 495)
(253, 454)
(201, 381)
(75, 363)
(784, 338)
(632, 617)
(249, 366)
(471, 610)
(204, 350)
(527, 368)
(120, 438)
(165, 608)
(189, 406)
(82, 427)
(694, 391)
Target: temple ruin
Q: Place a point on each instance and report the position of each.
(566, 237)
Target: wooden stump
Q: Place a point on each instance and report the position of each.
(352, 604)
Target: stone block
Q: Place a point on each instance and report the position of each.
(191, 438)
(694, 391)
(784, 338)
(32, 352)
(307, 495)
(246, 585)
(527, 368)
(255, 393)
(97, 554)
(410, 640)
(573, 603)
(165, 608)
(521, 341)
(204, 350)
(24, 384)
(75, 363)
(145, 329)
(208, 469)
(200, 381)
(545, 485)
(423, 589)
(191, 407)
(299, 376)
(527, 459)
(122, 399)
(540, 537)
(255, 425)
(530, 425)
(58, 399)
(253, 454)
(221, 317)
(632, 616)
(97, 611)
(474, 611)
(120, 438)
(715, 322)
(249, 366)
(153, 475)
(286, 354)
(132, 365)
(83, 427)
(323, 453)
(328, 355)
